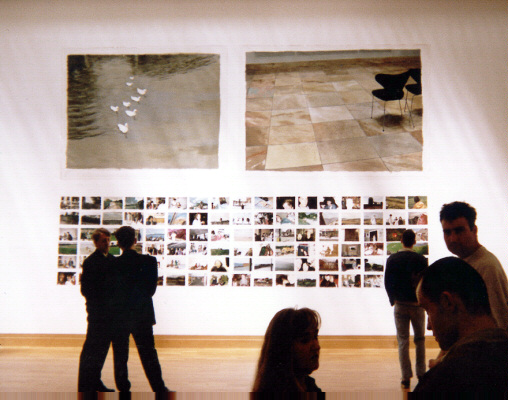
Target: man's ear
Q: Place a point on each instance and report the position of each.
(448, 301)
(475, 229)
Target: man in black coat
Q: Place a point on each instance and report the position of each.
(99, 286)
(139, 276)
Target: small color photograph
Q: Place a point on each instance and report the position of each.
(241, 280)
(177, 203)
(156, 203)
(352, 281)
(395, 202)
(113, 203)
(328, 280)
(217, 203)
(285, 280)
(373, 281)
(134, 203)
(417, 202)
(66, 278)
(263, 203)
(68, 234)
(69, 203)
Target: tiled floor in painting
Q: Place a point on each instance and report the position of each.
(316, 116)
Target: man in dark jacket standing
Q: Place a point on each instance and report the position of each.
(403, 270)
(99, 283)
(139, 277)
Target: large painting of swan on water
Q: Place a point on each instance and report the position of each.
(143, 111)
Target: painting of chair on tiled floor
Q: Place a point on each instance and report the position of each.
(334, 114)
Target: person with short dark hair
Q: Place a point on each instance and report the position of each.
(139, 274)
(99, 284)
(458, 220)
(403, 270)
(476, 361)
(290, 352)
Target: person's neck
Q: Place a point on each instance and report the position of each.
(127, 248)
(473, 250)
(301, 381)
(476, 323)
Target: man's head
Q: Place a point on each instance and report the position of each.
(459, 229)
(101, 239)
(453, 294)
(408, 238)
(126, 237)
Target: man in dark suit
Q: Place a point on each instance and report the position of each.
(139, 276)
(99, 286)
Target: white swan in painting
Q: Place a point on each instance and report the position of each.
(142, 92)
(124, 128)
(126, 103)
(128, 83)
(136, 99)
(131, 78)
(131, 113)
(114, 108)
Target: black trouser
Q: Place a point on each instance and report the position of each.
(99, 336)
(142, 332)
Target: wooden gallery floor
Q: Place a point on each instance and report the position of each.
(203, 369)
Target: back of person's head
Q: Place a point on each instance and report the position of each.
(458, 209)
(453, 275)
(126, 237)
(275, 367)
(408, 238)
(98, 232)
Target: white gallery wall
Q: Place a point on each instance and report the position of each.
(464, 53)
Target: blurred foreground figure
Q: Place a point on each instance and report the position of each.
(290, 353)
(476, 360)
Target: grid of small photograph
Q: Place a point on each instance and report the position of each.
(288, 241)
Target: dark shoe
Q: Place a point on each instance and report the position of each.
(126, 395)
(164, 394)
(102, 388)
(405, 384)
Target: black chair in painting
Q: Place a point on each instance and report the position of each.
(414, 88)
(393, 89)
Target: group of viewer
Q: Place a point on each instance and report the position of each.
(465, 297)
(466, 300)
(118, 293)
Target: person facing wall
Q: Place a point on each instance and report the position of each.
(403, 271)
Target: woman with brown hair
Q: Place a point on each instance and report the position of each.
(290, 353)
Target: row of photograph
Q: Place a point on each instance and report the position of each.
(253, 264)
(263, 250)
(242, 203)
(260, 280)
(243, 218)
(160, 235)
